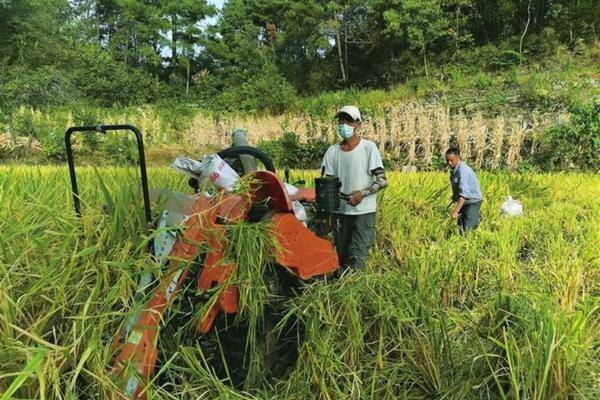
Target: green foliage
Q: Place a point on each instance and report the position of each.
(266, 91)
(257, 55)
(39, 87)
(24, 125)
(506, 59)
(101, 80)
(288, 151)
(54, 147)
(575, 143)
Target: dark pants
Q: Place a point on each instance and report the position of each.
(469, 216)
(354, 235)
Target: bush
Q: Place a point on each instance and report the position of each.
(53, 146)
(24, 125)
(506, 59)
(120, 148)
(266, 91)
(288, 151)
(83, 117)
(103, 81)
(576, 143)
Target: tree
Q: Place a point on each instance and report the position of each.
(416, 22)
(30, 39)
(20, 85)
(183, 18)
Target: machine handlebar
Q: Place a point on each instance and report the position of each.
(104, 129)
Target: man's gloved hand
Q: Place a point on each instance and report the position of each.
(355, 198)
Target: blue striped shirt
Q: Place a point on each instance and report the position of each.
(465, 184)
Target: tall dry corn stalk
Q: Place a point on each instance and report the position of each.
(461, 134)
(515, 142)
(410, 131)
(443, 128)
(426, 132)
(497, 140)
(369, 129)
(479, 130)
(395, 128)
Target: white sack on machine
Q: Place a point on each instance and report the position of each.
(212, 167)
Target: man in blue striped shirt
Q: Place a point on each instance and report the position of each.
(465, 191)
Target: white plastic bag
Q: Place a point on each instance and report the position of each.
(188, 166)
(512, 207)
(212, 167)
(219, 172)
(299, 210)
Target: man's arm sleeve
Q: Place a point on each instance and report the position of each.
(465, 183)
(376, 169)
(378, 184)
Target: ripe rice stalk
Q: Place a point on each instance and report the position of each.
(510, 310)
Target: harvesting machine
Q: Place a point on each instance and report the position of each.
(189, 242)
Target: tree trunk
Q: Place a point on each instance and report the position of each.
(346, 52)
(570, 22)
(425, 61)
(187, 79)
(126, 53)
(173, 41)
(457, 29)
(524, 31)
(339, 48)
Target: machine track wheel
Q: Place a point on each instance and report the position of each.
(276, 347)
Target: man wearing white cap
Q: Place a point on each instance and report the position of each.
(357, 163)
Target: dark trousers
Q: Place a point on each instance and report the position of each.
(354, 235)
(469, 216)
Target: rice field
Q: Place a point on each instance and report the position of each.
(508, 312)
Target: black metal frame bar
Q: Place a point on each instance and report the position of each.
(104, 129)
(236, 151)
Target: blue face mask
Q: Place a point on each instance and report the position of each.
(345, 131)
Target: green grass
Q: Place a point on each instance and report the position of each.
(508, 312)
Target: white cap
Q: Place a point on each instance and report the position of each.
(352, 111)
